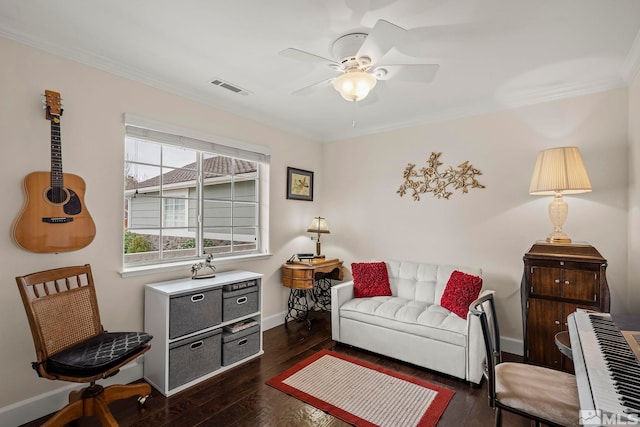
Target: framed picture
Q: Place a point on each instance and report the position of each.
(299, 184)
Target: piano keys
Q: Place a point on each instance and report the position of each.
(607, 368)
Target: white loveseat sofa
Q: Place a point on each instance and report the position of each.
(411, 325)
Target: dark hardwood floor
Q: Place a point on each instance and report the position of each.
(240, 397)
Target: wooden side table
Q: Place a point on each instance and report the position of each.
(314, 276)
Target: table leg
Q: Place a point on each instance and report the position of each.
(322, 292)
(298, 306)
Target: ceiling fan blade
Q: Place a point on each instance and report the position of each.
(383, 36)
(301, 55)
(416, 73)
(313, 87)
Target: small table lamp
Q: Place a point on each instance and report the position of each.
(318, 225)
(559, 170)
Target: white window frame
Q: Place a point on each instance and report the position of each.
(163, 133)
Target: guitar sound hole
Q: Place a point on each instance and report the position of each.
(57, 195)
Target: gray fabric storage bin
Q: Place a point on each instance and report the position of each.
(240, 345)
(194, 357)
(192, 312)
(239, 303)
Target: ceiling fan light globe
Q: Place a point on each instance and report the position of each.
(354, 85)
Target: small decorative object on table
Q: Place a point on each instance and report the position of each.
(203, 270)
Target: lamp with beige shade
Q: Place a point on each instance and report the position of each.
(319, 226)
(559, 171)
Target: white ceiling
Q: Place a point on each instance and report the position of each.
(493, 54)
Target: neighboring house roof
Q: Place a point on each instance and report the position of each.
(218, 166)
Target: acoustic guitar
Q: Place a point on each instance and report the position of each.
(54, 217)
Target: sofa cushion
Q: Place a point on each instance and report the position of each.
(370, 279)
(408, 316)
(422, 282)
(462, 289)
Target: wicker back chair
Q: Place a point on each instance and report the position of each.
(71, 344)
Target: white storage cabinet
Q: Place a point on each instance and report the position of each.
(187, 318)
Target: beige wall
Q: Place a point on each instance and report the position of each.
(633, 290)
(93, 147)
(492, 227)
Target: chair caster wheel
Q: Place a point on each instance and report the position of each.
(142, 400)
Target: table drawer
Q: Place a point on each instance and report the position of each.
(297, 278)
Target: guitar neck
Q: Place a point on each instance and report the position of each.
(56, 154)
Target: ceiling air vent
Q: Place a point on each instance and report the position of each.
(226, 85)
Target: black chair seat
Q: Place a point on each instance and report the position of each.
(97, 354)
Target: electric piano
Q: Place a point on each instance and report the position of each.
(607, 367)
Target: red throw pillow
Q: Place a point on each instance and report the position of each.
(370, 279)
(461, 290)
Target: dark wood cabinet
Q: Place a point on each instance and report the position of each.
(557, 280)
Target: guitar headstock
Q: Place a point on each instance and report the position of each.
(53, 104)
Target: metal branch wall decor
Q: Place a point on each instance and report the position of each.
(430, 180)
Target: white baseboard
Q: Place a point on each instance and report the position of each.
(273, 320)
(52, 401)
(511, 345)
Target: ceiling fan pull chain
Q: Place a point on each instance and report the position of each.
(354, 122)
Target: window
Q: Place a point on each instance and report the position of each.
(185, 197)
(175, 211)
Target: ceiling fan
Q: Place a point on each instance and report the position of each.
(358, 59)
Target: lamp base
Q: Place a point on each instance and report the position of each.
(550, 240)
(558, 210)
(558, 237)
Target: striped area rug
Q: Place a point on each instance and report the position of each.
(363, 394)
